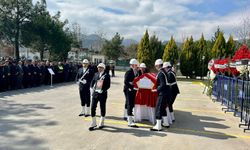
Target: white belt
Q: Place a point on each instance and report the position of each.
(172, 83)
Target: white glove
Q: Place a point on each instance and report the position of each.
(84, 81)
(77, 82)
(91, 91)
(155, 90)
(100, 92)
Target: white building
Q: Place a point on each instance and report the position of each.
(28, 53)
(97, 58)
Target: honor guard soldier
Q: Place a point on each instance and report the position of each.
(84, 78)
(164, 93)
(142, 69)
(130, 92)
(99, 85)
(174, 89)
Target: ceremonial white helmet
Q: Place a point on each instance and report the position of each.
(85, 61)
(133, 62)
(102, 65)
(166, 64)
(143, 65)
(158, 62)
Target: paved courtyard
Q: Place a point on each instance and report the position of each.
(47, 118)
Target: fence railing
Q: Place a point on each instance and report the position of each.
(234, 95)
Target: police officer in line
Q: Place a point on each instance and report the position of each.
(99, 87)
(174, 90)
(84, 78)
(164, 94)
(130, 92)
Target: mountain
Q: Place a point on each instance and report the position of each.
(127, 42)
(92, 41)
(95, 42)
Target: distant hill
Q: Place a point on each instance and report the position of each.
(95, 42)
(127, 42)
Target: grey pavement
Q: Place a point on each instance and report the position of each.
(47, 118)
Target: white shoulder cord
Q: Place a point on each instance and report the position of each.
(87, 71)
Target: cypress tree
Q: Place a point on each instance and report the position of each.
(156, 47)
(230, 47)
(219, 46)
(144, 52)
(171, 52)
(184, 57)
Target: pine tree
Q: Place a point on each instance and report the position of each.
(171, 52)
(216, 35)
(144, 52)
(203, 57)
(156, 47)
(184, 57)
(219, 46)
(230, 47)
(113, 48)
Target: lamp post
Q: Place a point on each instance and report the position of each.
(203, 58)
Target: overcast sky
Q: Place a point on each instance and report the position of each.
(180, 18)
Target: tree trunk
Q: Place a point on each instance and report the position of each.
(41, 54)
(17, 45)
(17, 33)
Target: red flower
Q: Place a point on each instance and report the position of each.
(242, 53)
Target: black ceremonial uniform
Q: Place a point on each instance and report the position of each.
(100, 96)
(164, 94)
(129, 90)
(84, 88)
(174, 88)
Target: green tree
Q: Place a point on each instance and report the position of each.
(184, 58)
(230, 47)
(13, 15)
(171, 52)
(156, 47)
(36, 33)
(203, 57)
(60, 39)
(219, 46)
(131, 51)
(144, 53)
(113, 49)
(216, 35)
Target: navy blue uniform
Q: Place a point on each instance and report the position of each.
(129, 91)
(84, 89)
(102, 97)
(174, 88)
(164, 94)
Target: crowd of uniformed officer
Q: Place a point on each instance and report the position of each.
(27, 73)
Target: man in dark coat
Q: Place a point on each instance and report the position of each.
(84, 78)
(129, 91)
(174, 90)
(164, 94)
(100, 85)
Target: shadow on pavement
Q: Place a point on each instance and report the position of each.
(134, 131)
(190, 124)
(16, 123)
(186, 123)
(33, 90)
